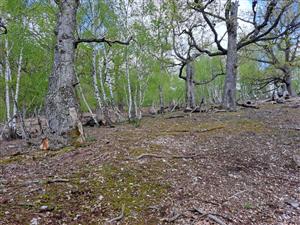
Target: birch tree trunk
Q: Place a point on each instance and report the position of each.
(109, 77)
(110, 87)
(229, 94)
(128, 86)
(16, 97)
(190, 86)
(61, 100)
(95, 82)
(100, 69)
(7, 82)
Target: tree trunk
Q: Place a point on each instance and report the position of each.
(229, 94)
(7, 81)
(94, 75)
(190, 86)
(130, 116)
(16, 97)
(109, 80)
(101, 79)
(61, 101)
(288, 82)
(161, 100)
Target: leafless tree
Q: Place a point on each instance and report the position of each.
(281, 53)
(262, 22)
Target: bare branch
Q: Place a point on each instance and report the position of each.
(102, 40)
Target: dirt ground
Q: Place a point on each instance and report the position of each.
(203, 168)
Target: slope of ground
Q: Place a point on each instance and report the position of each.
(230, 168)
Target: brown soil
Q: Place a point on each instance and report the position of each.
(236, 166)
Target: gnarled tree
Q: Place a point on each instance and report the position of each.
(261, 30)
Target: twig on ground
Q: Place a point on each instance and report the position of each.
(118, 218)
(171, 219)
(167, 156)
(234, 195)
(211, 216)
(58, 180)
(210, 129)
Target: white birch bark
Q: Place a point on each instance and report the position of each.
(16, 97)
(95, 82)
(109, 79)
(101, 78)
(110, 87)
(94, 69)
(128, 86)
(7, 81)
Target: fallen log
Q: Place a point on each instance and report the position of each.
(248, 104)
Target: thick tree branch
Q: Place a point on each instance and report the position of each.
(102, 40)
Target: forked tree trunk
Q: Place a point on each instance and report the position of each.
(61, 101)
(229, 94)
(190, 86)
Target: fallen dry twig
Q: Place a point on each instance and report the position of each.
(118, 218)
(234, 195)
(210, 129)
(171, 219)
(210, 216)
(170, 156)
(58, 180)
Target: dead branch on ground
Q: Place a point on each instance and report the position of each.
(167, 156)
(211, 216)
(118, 218)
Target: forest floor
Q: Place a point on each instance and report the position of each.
(203, 168)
